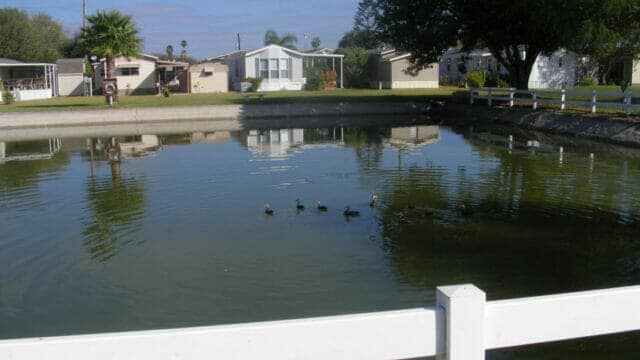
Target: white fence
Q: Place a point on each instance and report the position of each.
(462, 326)
(558, 97)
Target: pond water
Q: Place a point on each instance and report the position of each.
(167, 229)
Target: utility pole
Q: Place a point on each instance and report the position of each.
(239, 47)
(84, 14)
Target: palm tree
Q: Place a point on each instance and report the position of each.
(111, 34)
(287, 40)
(315, 43)
(170, 52)
(183, 54)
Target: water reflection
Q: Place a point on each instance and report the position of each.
(117, 204)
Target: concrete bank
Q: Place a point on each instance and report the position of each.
(212, 112)
(619, 130)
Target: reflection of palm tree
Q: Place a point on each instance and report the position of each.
(116, 204)
(368, 145)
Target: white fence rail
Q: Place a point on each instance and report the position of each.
(462, 326)
(556, 97)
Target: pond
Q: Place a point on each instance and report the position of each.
(165, 227)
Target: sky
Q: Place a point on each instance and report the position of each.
(210, 26)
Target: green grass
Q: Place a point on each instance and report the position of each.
(340, 95)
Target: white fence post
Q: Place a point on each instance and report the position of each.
(512, 92)
(563, 98)
(464, 309)
(534, 98)
(594, 102)
(489, 102)
(628, 101)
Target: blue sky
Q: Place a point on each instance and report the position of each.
(210, 26)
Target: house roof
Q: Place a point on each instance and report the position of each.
(389, 55)
(9, 61)
(70, 66)
(171, 63)
(271, 46)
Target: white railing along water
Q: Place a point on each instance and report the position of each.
(559, 97)
(462, 326)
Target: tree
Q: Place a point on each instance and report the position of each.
(611, 37)
(356, 66)
(287, 40)
(515, 32)
(39, 38)
(50, 36)
(315, 43)
(183, 53)
(365, 32)
(110, 34)
(169, 52)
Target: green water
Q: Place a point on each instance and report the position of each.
(114, 233)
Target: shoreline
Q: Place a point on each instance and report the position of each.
(596, 127)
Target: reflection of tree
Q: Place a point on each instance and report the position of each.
(117, 204)
(537, 227)
(368, 145)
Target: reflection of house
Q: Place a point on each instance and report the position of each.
(207, 78)
(389, 70)
(414, 136)
(210, 137)
(140, 75)
(136, 146)
(554, 71)
(279, 68)
(274, 143)
(29, 150)
(29, 81)
(71, 80)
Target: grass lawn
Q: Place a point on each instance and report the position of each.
(340, 95)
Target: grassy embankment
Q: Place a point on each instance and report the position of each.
(341, 95)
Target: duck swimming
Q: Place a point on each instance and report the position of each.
(350, 213)
(320, 206)
(299, 206)
(374, 199)
(267, 209)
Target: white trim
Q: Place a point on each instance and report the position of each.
(272, 46)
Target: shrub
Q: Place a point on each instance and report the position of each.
(330, 79)
(315, 80)
(8, 98)
(496, 80)
(255, 84)
(475, 79)
(589, 81)
(166, 92)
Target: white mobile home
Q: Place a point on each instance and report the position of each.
(389, 69)
(279, 68)
(554, 71)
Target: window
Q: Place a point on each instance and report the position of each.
(264, 68)
(560, 62)
(448, 65)
(273, 68)
(129, 71)
(284, 68)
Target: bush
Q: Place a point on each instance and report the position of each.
(166, 92)
(589, 81)
(8, 98)
(496, 80)
(255, 84)
(475, 79)
(315, 80)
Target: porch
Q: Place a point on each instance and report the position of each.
(29, 81)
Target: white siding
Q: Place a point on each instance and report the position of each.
(145, 81)
(555, 71)
(71, 84)
(635, 75)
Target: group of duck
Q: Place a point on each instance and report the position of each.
(348, 212)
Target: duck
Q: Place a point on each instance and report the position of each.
(464, 209)
(299, 206)
(320, 206)
(374, 199)
(350, 213)
(267, 209)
